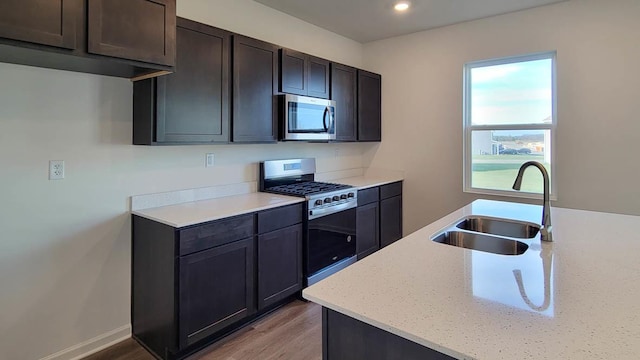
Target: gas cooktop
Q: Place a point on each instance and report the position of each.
(307, 188)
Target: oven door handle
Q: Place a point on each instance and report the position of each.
(316, 213)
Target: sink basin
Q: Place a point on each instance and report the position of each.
(501, 227)
(481, 242)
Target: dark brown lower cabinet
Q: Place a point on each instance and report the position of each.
(390, 220)
(378, 218)
(367, 229)
(279, 264)
(216, 289)
(344, 337)
(195, 284)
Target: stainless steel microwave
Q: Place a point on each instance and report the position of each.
(307, 118)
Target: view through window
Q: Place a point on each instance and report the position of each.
(509, 119)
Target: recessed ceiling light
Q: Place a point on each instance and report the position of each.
(401, 6)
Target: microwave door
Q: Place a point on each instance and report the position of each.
(307, 118)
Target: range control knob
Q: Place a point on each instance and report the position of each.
(343, 196)
(336, 198)
(351, 195)
(327, 200)
(318, 202)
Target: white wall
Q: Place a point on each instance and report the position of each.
(65, 245)
(598, 135)
(250, 18)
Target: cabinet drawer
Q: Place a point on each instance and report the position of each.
(390, 190)
(368, 196)
(216, 233)
(278, 218)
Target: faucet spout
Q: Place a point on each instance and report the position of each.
(545, 230)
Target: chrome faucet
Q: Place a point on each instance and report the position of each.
(545, 230)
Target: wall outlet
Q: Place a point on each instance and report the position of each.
(336, 152)
(56, 169)
(209, 161)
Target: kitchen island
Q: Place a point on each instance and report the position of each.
(575, 298)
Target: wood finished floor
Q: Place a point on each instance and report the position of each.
(293, 332)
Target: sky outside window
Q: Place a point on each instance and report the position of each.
(516, 93)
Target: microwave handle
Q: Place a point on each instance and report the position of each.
(324, 118)
(332, 119)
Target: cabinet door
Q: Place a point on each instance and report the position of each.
(293, 72)
(390, 220)
(344, 92)
(255, 81)
(48, 22)
(279, 264)
(367, 229)
(142, 30)
(318, 78)
(193, 102)
(369, 109)
(216, 289)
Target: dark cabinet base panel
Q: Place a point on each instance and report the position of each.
(345, 338)
(222, 333)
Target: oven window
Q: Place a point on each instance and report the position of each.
(331, 238)
(308, 118)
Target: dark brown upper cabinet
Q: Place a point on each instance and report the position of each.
(124, 38)
(303, 74)
(50, 22)
(255, 82)
(191, 105)
(369, 106)
(344, 91)
(142, 30)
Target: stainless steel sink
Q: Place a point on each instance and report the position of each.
(501, 227)
(481, 242)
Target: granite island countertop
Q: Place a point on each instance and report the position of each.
(575, 298)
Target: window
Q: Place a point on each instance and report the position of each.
(509, 119)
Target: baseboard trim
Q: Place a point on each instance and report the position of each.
(93, 345)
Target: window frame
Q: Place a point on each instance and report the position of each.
(468, 128)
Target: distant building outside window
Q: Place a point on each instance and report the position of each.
(509, 118)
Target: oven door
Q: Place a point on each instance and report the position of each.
(306, 118)
(331, 239)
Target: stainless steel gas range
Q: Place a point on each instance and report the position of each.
(330, 224)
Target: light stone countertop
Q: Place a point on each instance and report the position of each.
(197, 212)
(575, 298)
(368, 181)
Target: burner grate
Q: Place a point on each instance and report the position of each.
(307, 188)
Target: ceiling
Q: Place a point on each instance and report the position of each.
(369, 20)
